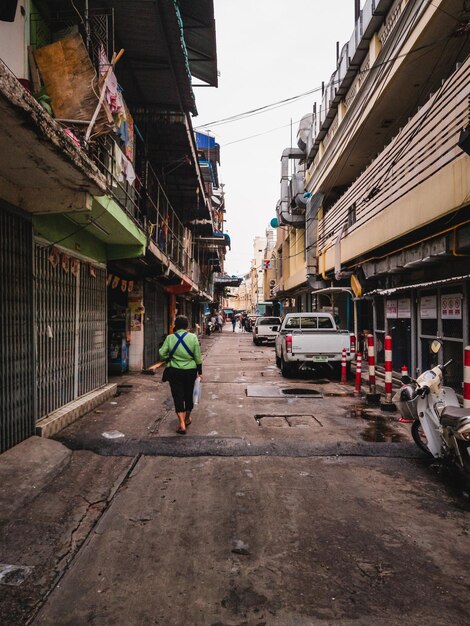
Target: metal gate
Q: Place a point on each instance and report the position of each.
(156, 321)
(71, 358)
(16, 330)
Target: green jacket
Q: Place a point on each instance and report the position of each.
(181, 359)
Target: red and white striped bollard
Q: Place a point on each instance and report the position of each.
(388, 368)
(371, 359)
(343, 367)
(357, 390)
(466, 378)
(404, 370)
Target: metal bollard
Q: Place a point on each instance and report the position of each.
(388, 368)
(466, 378)
(343, 367)
(371, 359)
(357, 390)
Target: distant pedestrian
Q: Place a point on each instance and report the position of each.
(182, 353)
(234, 323)
(220, 322)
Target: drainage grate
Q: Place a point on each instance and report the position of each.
(300, 391)
(272, 391)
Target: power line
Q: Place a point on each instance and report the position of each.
(273, 105)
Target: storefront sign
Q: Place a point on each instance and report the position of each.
(428, 307)
(451, 306)
(404, 308)
(391, 307)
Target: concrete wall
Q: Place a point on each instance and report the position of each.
(14, 39)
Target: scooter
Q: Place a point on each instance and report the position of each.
(440, 427)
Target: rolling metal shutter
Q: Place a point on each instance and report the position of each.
(156, 321)
(16, 330)
(70, 330)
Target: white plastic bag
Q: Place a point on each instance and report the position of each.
(197, 391)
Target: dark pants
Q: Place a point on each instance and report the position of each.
(182, 386)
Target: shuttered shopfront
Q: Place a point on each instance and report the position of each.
(71, 316)
(155, 321)
(16, 330)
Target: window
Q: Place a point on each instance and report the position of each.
(267, 321)
(293, 322)
(351, 215)
(324, 322)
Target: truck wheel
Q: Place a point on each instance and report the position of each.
(278, 361)
(256, 341)
(286, 369)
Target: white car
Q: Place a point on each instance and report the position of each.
(266, 329)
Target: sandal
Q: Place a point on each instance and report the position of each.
(188, 423)
(180, 431)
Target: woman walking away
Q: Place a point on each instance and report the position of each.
(234, 323)
(182, 353)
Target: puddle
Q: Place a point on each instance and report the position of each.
(380, 430)
(300, 391)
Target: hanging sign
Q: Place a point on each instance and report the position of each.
(124, 285)
(428, 307)
(115, 282)
(391, 309)
(65, 263)
(91, 269)
(109, 279)
(53, 257)
(404, 308)
(451, 306)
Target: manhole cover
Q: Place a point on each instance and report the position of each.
(283, 421)
(300, 391)
(271, 391)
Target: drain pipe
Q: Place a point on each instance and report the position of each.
(284, 216)
(311, 224)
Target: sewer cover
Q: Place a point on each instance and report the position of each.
(300, 391)
(285, 421)
(271, 391)
(13, 575)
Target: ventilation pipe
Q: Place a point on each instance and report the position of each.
(311, 223)
(284, 215)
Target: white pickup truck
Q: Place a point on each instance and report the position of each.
(312, 338)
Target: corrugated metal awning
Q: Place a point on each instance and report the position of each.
(432, 283)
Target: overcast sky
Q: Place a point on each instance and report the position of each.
(267, 50)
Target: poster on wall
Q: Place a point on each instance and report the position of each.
(451, 306)
(428, 307)
(136, 305)
(404, 308)
(391, 309)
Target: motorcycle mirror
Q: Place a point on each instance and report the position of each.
(436, 346)
(406, 380)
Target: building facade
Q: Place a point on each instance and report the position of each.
(102, 194)
(383, 203)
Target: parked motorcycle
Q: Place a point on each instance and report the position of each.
(440, 427)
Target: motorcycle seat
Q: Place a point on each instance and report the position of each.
(452, 415)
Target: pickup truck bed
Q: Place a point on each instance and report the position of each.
(310, 338)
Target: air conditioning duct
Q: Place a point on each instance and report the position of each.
(284, 215)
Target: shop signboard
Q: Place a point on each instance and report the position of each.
(428, 307)
(451, 306)
(391, 308)
(404, 308)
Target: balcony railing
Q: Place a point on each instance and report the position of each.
(427, 144)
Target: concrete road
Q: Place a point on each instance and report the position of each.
(275, 509)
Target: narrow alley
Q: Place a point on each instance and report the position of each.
(274, 509)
